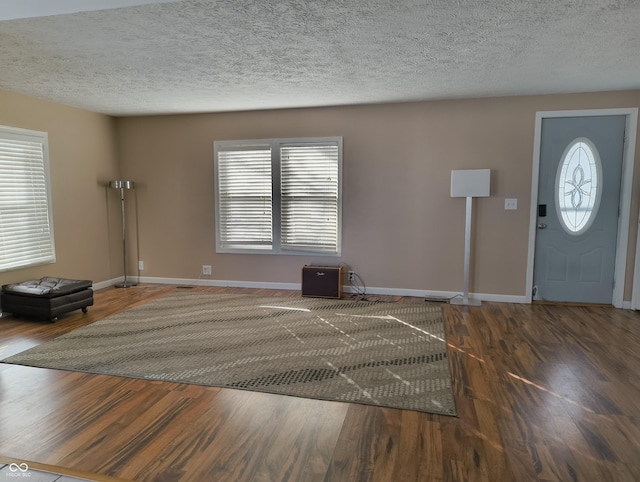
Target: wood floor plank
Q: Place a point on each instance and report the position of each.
(493, 444)
(543, 392)
(419, 449)
(353, 459)
(311, 452)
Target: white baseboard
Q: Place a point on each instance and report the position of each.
(108, 283)
(348, 289)
(439, 294)
(220, 283)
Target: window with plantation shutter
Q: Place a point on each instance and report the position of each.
(244, 198)
(26, 229)
(279, 196)
(309, 197)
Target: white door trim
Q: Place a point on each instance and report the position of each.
(625, 200)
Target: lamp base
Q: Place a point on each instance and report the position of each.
(125, 285)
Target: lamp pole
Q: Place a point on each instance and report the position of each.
(122, 185)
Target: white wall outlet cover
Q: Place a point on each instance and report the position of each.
(511, 204)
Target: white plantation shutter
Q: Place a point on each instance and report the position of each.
(278, 196)
(245, 198)
(309, 197)
(26, 230)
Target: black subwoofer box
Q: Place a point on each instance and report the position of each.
(322, 281)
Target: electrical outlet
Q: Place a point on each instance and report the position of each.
(511, 204)
(141, 265)
(206, 270)
(352, 275)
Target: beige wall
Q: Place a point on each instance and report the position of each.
(401, 229)
(82, 157)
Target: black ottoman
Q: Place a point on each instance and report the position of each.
(46, 298)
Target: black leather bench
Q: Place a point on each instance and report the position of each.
(46, 298)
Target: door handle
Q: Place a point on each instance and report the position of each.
(542, 226)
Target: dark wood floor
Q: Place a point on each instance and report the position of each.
(544, 393)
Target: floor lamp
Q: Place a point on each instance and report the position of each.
(469, 183)
(122, 185)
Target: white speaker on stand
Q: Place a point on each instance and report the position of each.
(469, 183)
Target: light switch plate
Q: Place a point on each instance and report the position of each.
(510, 204)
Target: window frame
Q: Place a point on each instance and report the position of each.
(276, 222)
(42, 138)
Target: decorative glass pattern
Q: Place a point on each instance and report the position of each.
(578, 186)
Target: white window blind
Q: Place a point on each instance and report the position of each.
(309, 202)
(26, 231)
(279, 196)
(245, 198)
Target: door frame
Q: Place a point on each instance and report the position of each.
(625, 199)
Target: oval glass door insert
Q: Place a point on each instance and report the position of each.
(578, 186)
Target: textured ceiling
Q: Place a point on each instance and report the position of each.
(226, 55)
(12, 9)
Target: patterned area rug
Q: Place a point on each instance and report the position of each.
(386, 354)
